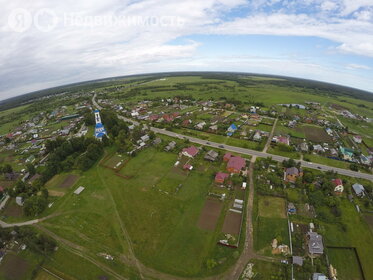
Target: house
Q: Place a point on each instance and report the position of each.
(170, 146)
(292, 173)
(333, 152)
(359, 189)
(283, 140)
(319, 276)
(357, 139)
(191, 151)
(231, 129)
(227, 156)
(157, 141)
(364, 160)
(315, 243)
(257, 136)
(186, 122)
(318, 148)
(297, 260)
(213, 128)
(20, 201)
(291, 208)
(236, 164)
(220, 177)
(303, 147)
(338, 186)
(145, 138)
(187, 167)
(211, 155)
(200, 125)
(347, 153)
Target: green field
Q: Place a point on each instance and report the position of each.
(339, 258)
(357, 234)
(271, 207)
(160, 228)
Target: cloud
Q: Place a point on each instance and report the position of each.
(95, 39)
(355, 36)
(354, 66)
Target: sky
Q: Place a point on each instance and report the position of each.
(47, 43)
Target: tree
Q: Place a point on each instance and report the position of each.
(30, 169)
(354, 167)
(7, 168)
(35, 205)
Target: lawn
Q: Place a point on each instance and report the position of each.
(357, 234)
(271, 207)
(276, 151)
(268, 270)
(339, 257)
(327, 161)
(266, 229)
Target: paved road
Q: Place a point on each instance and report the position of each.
(249, 152)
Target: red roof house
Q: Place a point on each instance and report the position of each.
(227, 156)
(337, 182)
(235, 164)
(153, 118)
(220, 177)
(190, 151)
(187, 166)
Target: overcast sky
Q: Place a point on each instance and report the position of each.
(45, 43)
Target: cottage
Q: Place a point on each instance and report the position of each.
(303, 147)
(236, 164)
(257, 136)
(358, 189)
(200, 125)
(227, 156)
(347, 153)
(20, 201)
(297, 260)
(291, 208)
(315, 243)
(157, 141)
(187, 167)
(338, 186)
(145, 138)
(191, 151)
(220, 177)
(319, 276)
(357, 139)
(211, 155)
(318, 148)
(213, 128)
(170, 146)
(292, 173)
(231, 129)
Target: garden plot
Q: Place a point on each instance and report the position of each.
(210, 214)
(13, 267)
(115, 162)
(232, 223)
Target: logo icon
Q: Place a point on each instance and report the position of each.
(20, 20)
(45, 20)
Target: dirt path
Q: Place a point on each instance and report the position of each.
(80, 251)
(123, 229)
(270, 136)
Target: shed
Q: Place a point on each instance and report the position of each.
(79, 190)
